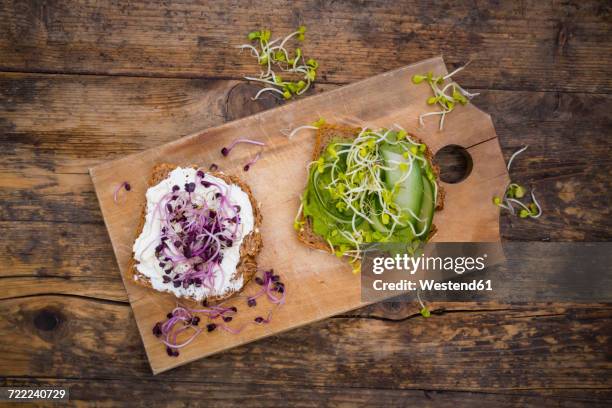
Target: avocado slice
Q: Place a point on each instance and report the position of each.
(410, 192)
(427, 208)
(323, 200)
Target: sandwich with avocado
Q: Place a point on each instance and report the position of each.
(366, 186)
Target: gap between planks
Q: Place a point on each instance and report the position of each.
(473, 87)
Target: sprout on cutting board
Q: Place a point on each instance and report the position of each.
(446, 98)
(314, 126)
(184, 322)
(226, 151)
(251, 162)
(125, 185)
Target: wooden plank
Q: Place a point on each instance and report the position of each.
(50, 185)
(528, 347)
(43, 165)
(67, 123)
(377, 101)
(48, 249)
(560, 124)
(530, 45)
(547, 46)
(98, 392)
(566, 160)
(96, 287)
(106, 116)
(53, 258)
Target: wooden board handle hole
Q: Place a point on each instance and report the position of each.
(455, 163)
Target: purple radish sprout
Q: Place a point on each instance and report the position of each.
(194, 235)
(125, 185)
(226, 150)
(252, 162)
(182, 319)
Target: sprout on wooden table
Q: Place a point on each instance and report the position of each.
(274, 55)
(514, 192)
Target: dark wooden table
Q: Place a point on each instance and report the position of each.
(83, 82)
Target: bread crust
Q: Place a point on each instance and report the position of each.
(325, 134)
(249, 249)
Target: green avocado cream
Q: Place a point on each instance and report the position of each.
(377, 187)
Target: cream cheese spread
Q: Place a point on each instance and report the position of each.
(225, 279)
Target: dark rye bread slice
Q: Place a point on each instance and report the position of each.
(249, 249)
(325, 134)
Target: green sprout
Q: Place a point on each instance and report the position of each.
(440, 97)
(273, 55)
(351, 174)
(514, 192)
(300, 33)
(356, 264)
(424, 309)
(320, 122)
(314, 126)
(417, 79)
(519, 192)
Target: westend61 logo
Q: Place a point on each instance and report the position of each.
(487, 271)
(394, 268)
(412, 264)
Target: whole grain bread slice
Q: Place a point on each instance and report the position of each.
(332, 132)
(249, 249)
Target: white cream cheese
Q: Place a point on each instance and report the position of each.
(144, 247)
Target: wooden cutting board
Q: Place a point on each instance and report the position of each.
(318, 284)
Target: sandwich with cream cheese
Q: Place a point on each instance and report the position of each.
(199, 234)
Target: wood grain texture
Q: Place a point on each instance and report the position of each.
(53, 127)
(318, 285)
(558, 45)
(51, 188)
(44, 163)
(137, 393)
(462, 348)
